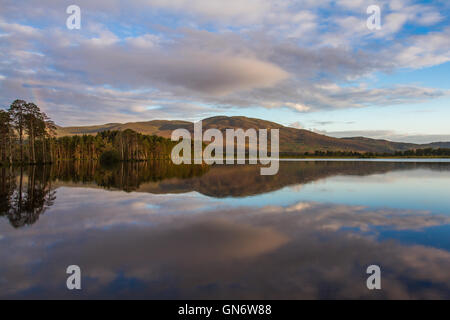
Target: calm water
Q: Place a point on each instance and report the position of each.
(154, 230)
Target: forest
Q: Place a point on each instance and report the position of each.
(413, 153)
(28, 136)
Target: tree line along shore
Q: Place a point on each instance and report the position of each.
(28, 136)
(413, 153)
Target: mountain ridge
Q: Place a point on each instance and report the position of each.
(292, 140)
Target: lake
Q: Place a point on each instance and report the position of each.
(153, 230)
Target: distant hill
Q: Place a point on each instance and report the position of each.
(291, 140)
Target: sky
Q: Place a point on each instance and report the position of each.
(311, 64)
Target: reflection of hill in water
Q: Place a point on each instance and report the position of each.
(241, 181)
(219, 181)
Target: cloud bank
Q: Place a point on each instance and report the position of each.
(188, 59)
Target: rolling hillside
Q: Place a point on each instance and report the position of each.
(291, 140)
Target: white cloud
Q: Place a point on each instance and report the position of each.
(296, 125)
(146, 41)
(249, 11)
(424, 50)
(265, 53)
(297, 106)
(18, 29)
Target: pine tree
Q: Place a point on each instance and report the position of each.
(17, 111)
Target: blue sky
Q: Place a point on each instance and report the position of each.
(308, 64)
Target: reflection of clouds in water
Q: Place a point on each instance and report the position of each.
(339, 216)
(95, 208)
(298, 207)
(138, 205)
(425, 180)
(129, 249)
(296, 188)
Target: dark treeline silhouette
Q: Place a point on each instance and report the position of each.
(27, 136)
(427, 152)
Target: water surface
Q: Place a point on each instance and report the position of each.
(159, 231)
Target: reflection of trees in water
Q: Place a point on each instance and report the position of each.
(126, 176)
(129, 176)
(25, 194)
(7, 188)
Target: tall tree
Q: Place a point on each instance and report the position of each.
(34, 127)
(49, 134)
(18, 111)
(6, 133)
